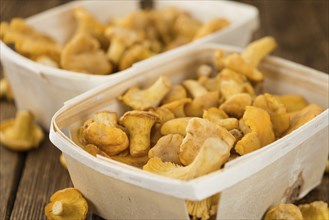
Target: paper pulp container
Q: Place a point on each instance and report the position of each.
(43, 89)
(286, 169)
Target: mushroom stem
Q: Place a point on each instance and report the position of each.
(57, 208)
(23, 126)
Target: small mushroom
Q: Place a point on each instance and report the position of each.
(214, 114)
(236, 63)
(219, 56)
(284, 211)
(201, 103)
(167, 148)
(231, 83)
(176, 92)
(88, 24)
(138, 162)
(185, 25)
(194, 88)
(164, 114)
(197, 131)
(177, 107)
(63, 161)
(211, 84)
(213, 153)
(211, 26)
(121, 39)
(175, 126)
(20, 134)
(45, 60)
(151, 97)
(83, 54)
(5, 89)
(236, 104)
(292, 102)
(299, 118)
(94, 150)
(317, 210)
(67, 204)
(204, 70)
(29, 42)
(102, 131)
(257, 126)
(258, 49)
(139, 125)
(134, 54)
(203, 209)
(277, 110)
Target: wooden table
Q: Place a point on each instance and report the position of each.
(29, 179)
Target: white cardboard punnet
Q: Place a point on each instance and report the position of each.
(285, 169)
(43, 90)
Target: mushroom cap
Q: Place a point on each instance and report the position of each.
(259, 130)
(299, 118)
(315, 211)
(83, 54)
(167, 148)
(278, 113)
(292, 102)
(23, 144)
(284, 211)
(211, 26)
(212, 155)
(109, 139)
(150, 97)
(177, 107)
(176, 92)
(197, 131)
(131, 118)
(236, 104)
(73, 204)
(175, 126)
(201, 103)
(237, 63)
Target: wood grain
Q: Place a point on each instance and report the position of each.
(11, 166)
(29, 179)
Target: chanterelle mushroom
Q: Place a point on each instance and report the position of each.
(213, 153)
(151, 97)
(284, 211)
(20, 134)
(317, 210)
(5, 89)
(299, 118)
(139, 125)
(236, 104)
(197, 131)
(167, 148)
(277, 110)
(87, 24)
(257, 127)
(292, 102)
(67, 204)
(83, 54)
(121, 39)
(103, 132)
(212, 26)
(29, 41)
(175, 126)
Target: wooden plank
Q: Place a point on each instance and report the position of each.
(11, 166)
(294, 25)
(42, 176)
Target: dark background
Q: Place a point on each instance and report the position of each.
(29, 179)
